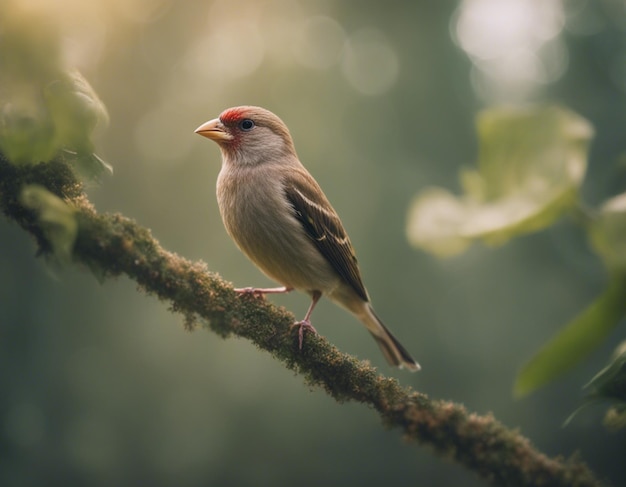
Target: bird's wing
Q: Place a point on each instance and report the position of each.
(323, 226)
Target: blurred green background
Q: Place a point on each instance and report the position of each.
(101, 386)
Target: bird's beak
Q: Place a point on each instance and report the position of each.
(214, 130)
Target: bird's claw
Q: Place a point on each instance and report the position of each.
(301, 326)
(248, 290)
(261, 291)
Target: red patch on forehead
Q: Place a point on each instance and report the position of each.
(233, 115)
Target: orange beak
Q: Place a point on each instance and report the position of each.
(214, 130)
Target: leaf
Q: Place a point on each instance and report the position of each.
(608, 233)
(531, 163)
(610, 382)
(30, 51)
(57, 219)
(75, 109)
(574, 342)
(88, 165)
(608, 385)
(76, 112)
(46, 109)
(26, 132)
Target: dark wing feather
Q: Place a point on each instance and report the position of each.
(323, 226)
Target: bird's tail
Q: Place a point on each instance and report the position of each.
(393, 351)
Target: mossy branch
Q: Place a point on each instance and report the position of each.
(111, 244)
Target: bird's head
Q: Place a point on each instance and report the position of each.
(249, 135)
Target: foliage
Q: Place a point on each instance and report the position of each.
(55, 217)
(531, 164)
(609, 385)
(45, 107)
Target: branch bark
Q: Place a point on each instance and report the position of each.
(111, 245)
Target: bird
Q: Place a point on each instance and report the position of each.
(279, 217)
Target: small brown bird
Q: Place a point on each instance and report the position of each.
(279, 217)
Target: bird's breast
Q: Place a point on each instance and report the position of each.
(262, 223)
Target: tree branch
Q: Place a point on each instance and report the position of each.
(111, 244)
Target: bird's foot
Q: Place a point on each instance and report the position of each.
(248, 290)
(301, 326)
(259, 291)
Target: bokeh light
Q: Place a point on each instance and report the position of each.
(232, 49)
(369, 62)
(319, 42)
(514, 45)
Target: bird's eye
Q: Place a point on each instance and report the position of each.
(246, 124)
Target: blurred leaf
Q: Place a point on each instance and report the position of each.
(608, 233)
(26, 132)
(87, 164)
(609, 385)
(610, 382)
(45, 108)
(76, 112)
(29, 54)
(56, 218)
(531, 164)
(576, 340)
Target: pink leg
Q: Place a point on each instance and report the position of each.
(306, 322)
(263, 290)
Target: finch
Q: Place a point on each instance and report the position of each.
(281, 220)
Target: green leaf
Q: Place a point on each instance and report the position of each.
(88, 165)
(75, 109)
(57, 219)
(531, 163)
(29, 54)
(574, 342)
(26, 132)
(608, 233)
(46, 109)
(610, 382)
(77, 112)
(608, 385)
